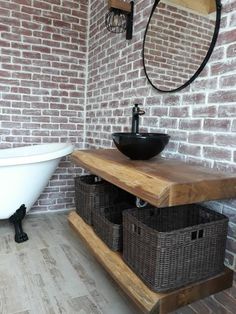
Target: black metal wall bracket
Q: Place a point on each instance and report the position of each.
(129, 25)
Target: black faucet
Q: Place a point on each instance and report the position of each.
(136, 112)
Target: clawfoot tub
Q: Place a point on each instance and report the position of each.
(24, 173)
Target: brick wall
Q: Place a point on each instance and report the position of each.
(44, 95)
(168, 63)
(201, 119)
(43, 47)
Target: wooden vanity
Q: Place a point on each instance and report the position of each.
(161, 182)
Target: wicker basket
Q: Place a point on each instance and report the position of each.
(107, 224)
(93, 193)
(171, 247)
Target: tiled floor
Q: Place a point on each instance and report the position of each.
(54, 273)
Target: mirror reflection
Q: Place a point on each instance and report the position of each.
(177, 40)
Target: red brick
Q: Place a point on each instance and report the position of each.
(190, 124)
(10, 125)
(52, 15)
(42, 49)
(196, 98)
(201, 138)
(30, 83)
(31, 55)
(10, 21)
(31, 26)
(20, 46)
(218, 53)
(4, 43)
(204, 111)
(9, 82)
(226, 37)
(229, 7)
(179, 112)
(222, 96)
(4, 73)
(23, 2)
(42, 5)
(4, 28)
(231, 50)
(21, 16)
(20, 90)
(207, 83)
(217, 153)
(188, 149)
(227, 81)
(225, 167)
(59, 23)
(5, 12)
(60, 38)
(42, 20)
(61, 9)
(228, 140)
(159, 111)
(168, 123)
(222, 67)
(217, 125)
(8, 5)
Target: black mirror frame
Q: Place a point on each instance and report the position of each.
(205, 60)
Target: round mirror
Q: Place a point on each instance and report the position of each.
(179, 39)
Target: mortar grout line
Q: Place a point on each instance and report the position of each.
(86, 74)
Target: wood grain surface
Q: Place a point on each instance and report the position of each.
(118, 4)
(161, 182)
(147, 300)
(200, 6)
(53, 272)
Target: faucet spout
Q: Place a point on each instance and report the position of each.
(136, 112)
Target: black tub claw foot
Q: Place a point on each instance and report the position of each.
(16, 219)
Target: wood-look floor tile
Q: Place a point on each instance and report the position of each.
(216, 307)
(227, 301)
(200, 307)
(84, 305)
(54, 273)
(12, 284)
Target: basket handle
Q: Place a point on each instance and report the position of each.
(197, 234)
(136, 229)
(97, 179)
(140, 203)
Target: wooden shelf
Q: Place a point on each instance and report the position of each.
(118, 4)
(200, 6)
(161, 182)
(147, 300)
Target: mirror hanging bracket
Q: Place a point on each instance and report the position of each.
(219, 5)
(120, 17)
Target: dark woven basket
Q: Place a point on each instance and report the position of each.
(107, 223)
(171, 247)
(93, 193)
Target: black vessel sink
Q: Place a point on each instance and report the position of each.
(140, 146)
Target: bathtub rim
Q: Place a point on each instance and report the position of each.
(35, 153)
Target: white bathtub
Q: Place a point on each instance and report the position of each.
(25, 172)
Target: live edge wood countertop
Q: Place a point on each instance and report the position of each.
(159, 181)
